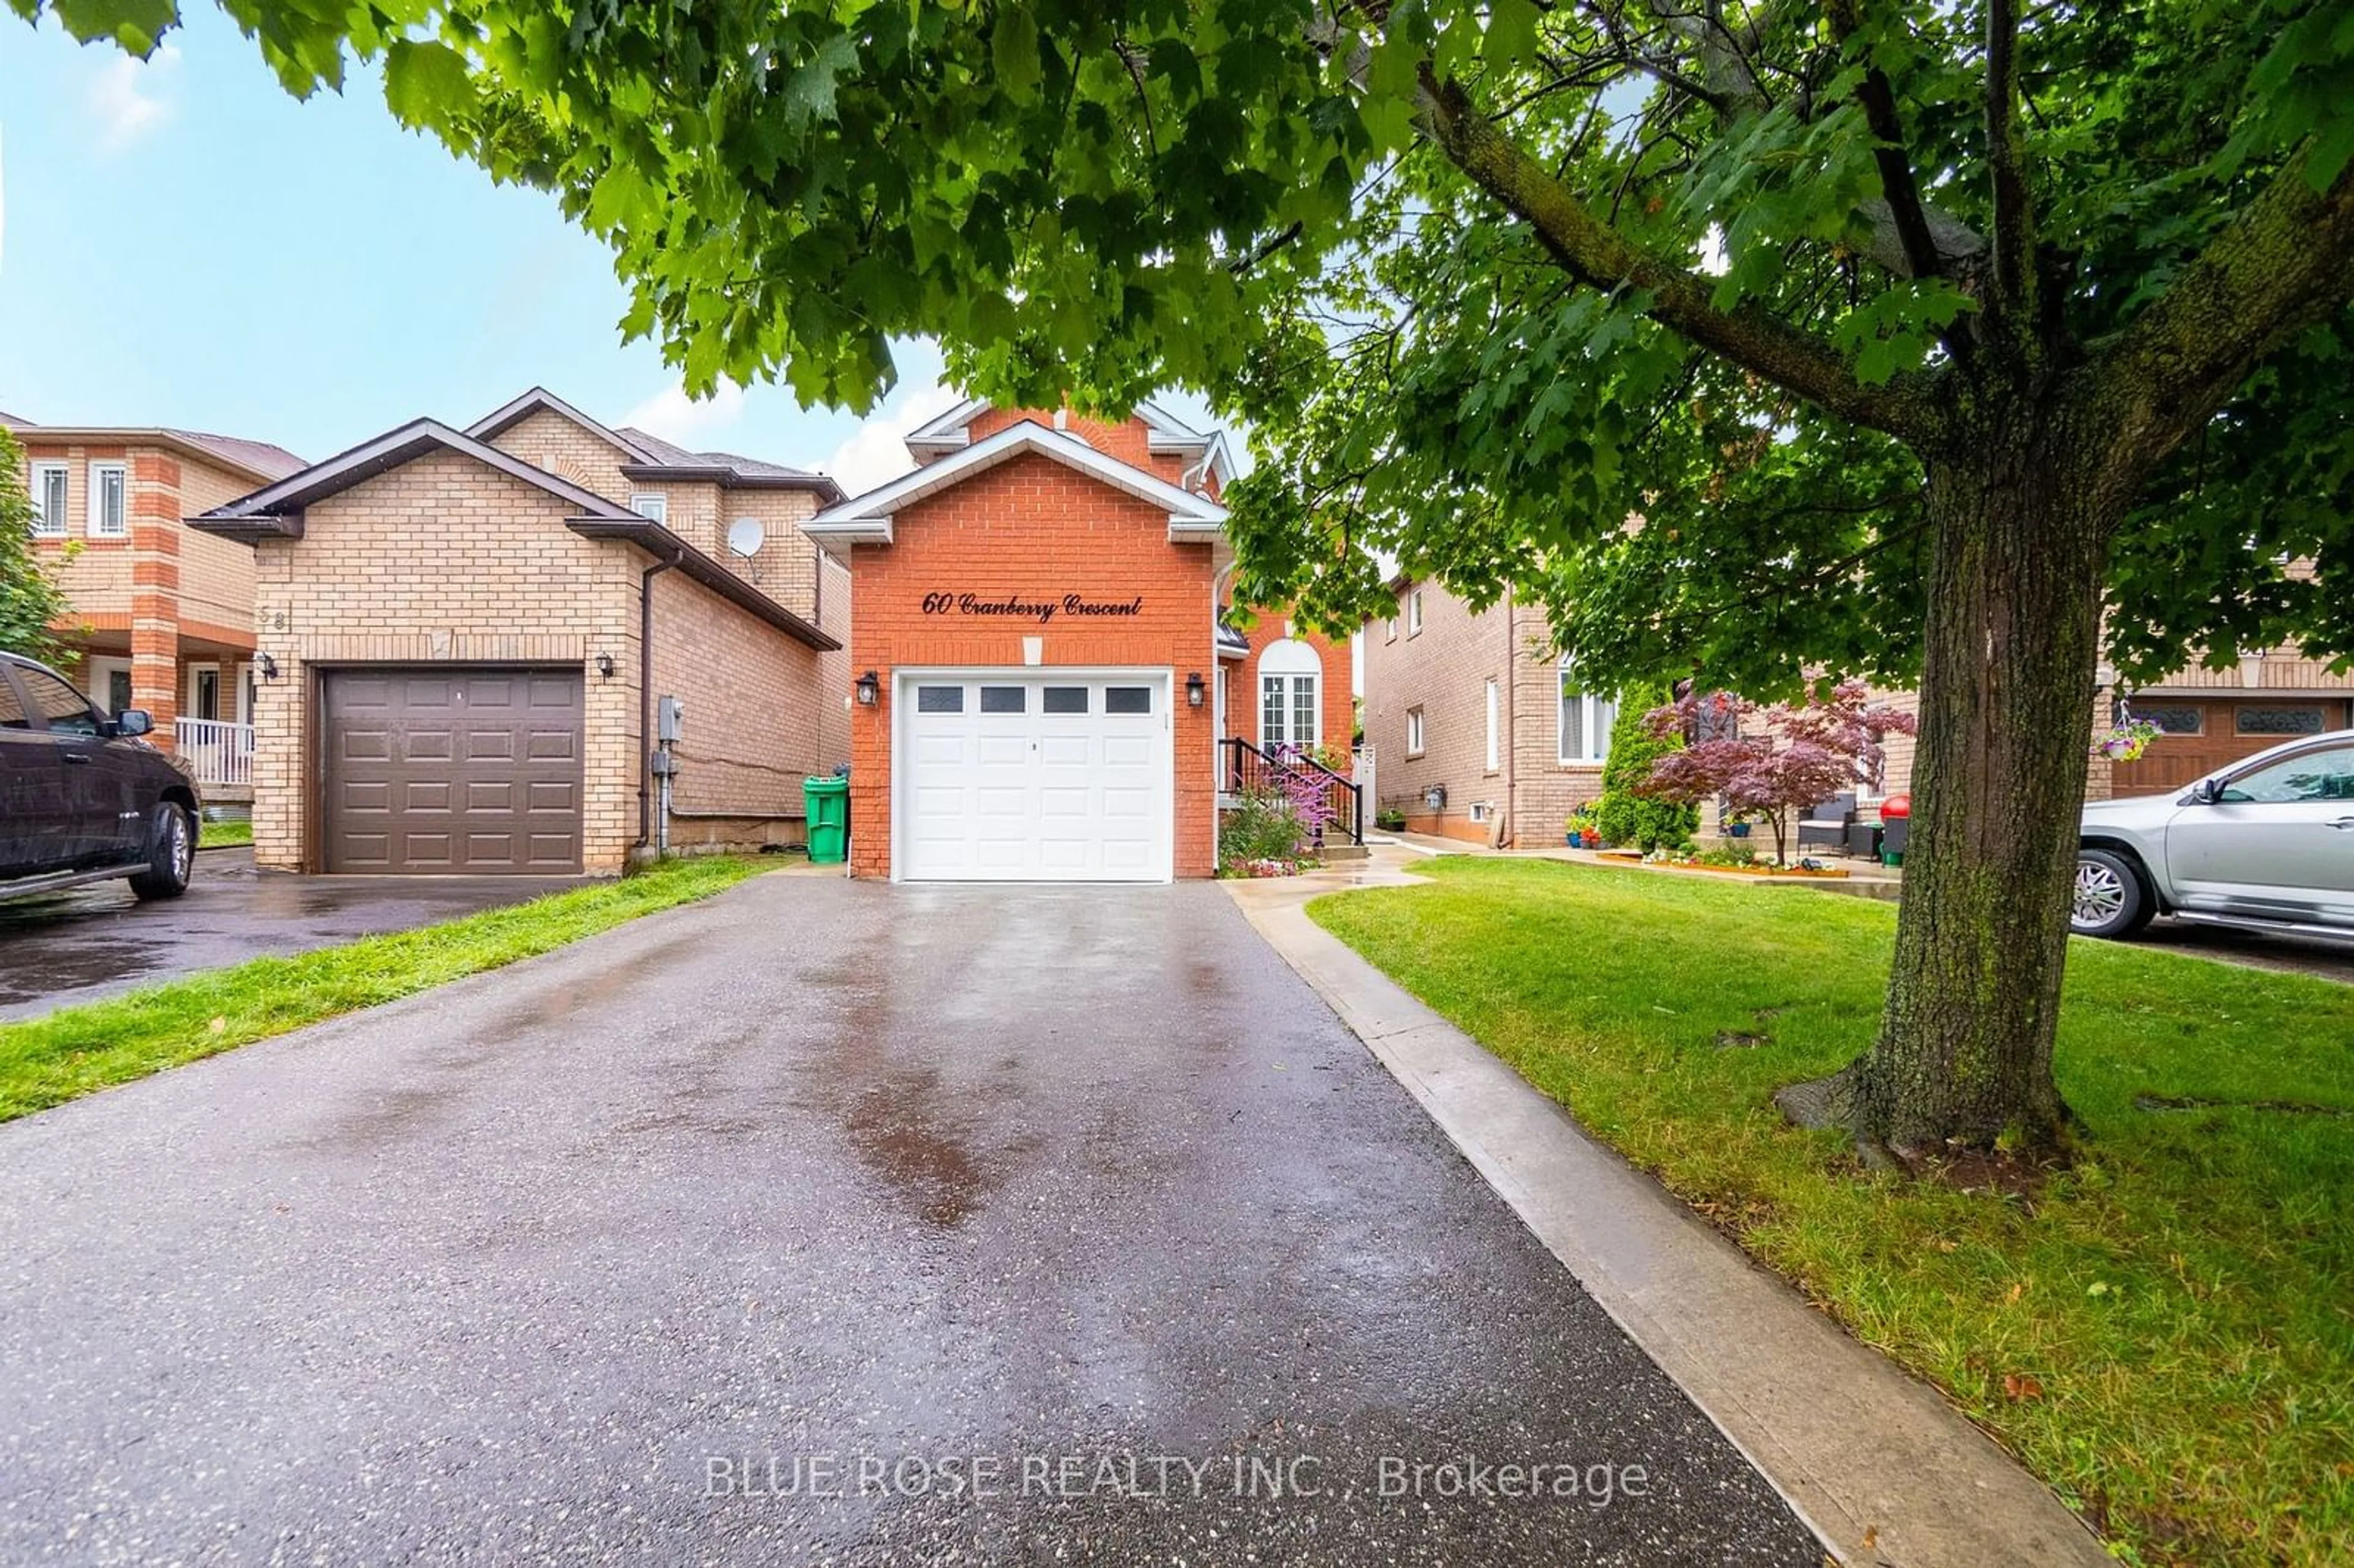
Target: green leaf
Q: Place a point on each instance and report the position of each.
(426, 83)
(1013, 54)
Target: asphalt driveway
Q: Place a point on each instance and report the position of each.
(824, 1222)
(93, 940)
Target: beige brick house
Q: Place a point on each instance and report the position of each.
(1478, 732)
(1478, 707)
(160, 615)
(463, 635)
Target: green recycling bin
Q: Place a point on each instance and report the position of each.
(828, 800)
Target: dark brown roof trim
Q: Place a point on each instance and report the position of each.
(729, 478)
(663, 545)
(249, 530)
(508, 415)
(286, 499)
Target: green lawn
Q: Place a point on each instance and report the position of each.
(230, 830)
(71, 1052)
(2165, 1333)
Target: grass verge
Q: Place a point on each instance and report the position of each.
(2165, 1333)
(49, 1060)
(227, 832)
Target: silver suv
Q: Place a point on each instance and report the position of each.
(2267, 844)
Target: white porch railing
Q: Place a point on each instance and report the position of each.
(221, 752)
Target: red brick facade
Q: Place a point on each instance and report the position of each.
(1035, 527)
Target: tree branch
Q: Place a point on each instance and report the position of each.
(1878, 100)
(1595, 254)
(2014, 217)
(2286, 261)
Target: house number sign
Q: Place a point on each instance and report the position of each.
(1014, 607)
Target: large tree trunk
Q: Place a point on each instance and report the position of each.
(2020, 517)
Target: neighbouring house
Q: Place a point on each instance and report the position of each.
(161, 615)
(466, 633)
(1477, 731)
(1050, 684)
(1481, 731)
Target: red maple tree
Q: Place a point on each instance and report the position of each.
(1762, 761)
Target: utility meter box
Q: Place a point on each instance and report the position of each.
(670, 714)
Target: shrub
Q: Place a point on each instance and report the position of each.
(1624, 816)
(1262, 826)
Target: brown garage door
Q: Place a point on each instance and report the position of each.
(2204, 734)
(453, 770)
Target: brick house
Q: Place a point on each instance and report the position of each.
(1046, 661)
(1473, 705)
(463, 635)
(161, 615)
(1478, 706)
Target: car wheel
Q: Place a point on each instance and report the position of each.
(170, 855)
(2109, 899)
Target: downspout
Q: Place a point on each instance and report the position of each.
(1508, 757)
(646, 695)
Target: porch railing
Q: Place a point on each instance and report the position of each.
(1243, 767)
(221, 752)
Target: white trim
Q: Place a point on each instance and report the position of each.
(1596, 714)
(659, 501)
(866, 519)
(92, 499)
(1417, 739)
(247, 690)
(95, 669)
(44, 525)
(1163, 677)
(948, 432)
(1413, 612)
(220, 691)
(1495, 728)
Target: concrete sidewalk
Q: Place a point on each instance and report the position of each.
(1875, 1462)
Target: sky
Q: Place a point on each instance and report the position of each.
(180, 243)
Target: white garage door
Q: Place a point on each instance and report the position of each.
(1033, 777)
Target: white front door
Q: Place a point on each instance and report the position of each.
(1025, 777)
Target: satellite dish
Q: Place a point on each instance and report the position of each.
(746, 536)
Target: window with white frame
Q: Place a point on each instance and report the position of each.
(48, 501)
(1585, 720)
(1413, 611)
(1414, 732)
(109, 501)
(1290, 695)
(1389, 629)
(1495, 736)
(650, 505)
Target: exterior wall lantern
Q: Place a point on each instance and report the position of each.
(1194, 690)
(269, 667)
(870, 689)
(605, 666)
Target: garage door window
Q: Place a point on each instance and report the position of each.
(1005, 699)
(939, 699)
(1128, 699)
(2282, 720)
(1065, 700)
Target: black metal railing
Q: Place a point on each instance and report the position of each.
(1243, 767)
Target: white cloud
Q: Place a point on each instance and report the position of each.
(674, 417)
(877, 454)
(126, 97)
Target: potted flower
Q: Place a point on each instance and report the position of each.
(1583, 830)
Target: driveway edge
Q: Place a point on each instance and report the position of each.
(1873, 1461)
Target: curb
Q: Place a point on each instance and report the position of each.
(1872, 1461)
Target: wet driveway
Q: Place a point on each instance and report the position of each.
(90, 942)
(824, 1222)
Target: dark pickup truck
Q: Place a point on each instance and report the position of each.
(82, 796)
